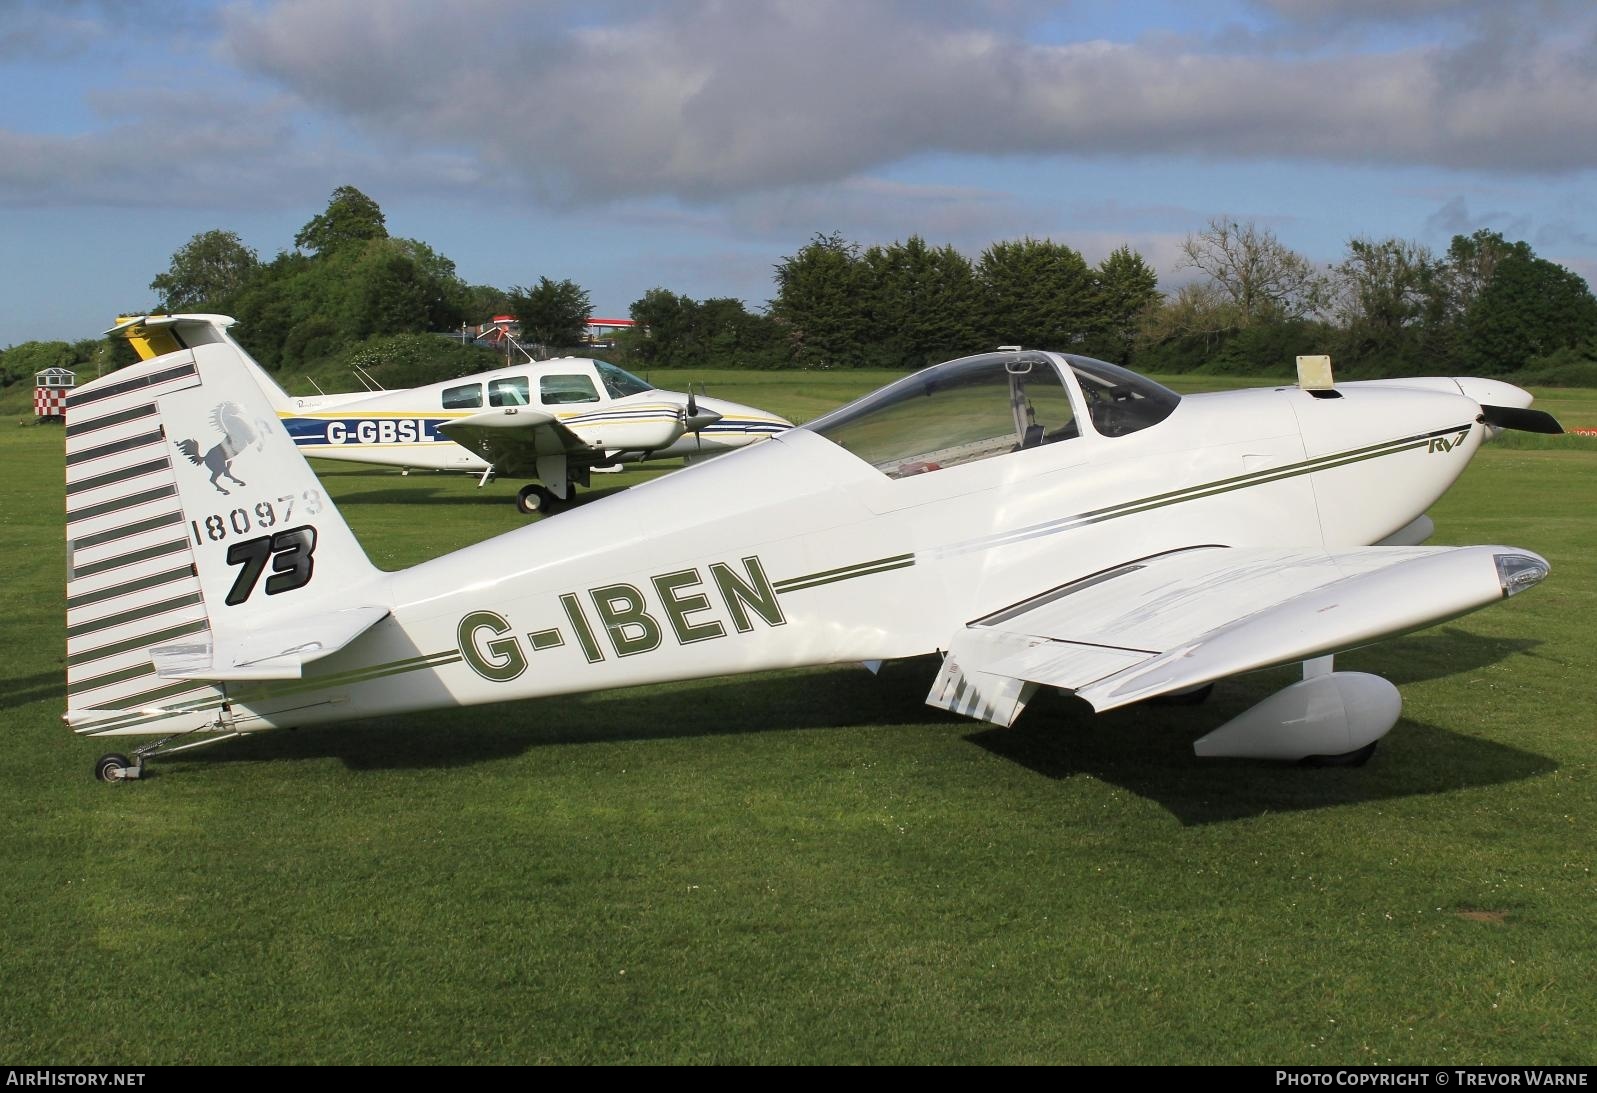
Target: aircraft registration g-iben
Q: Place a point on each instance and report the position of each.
(555, 420)
(1040, 519)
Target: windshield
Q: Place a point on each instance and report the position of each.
(954, 413)
(619, 382)
(1118, 400)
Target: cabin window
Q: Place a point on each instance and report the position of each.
(510, 391)
(1119, 401)
(960, 412)
(563, 390)
(619, 382)
(467, 396)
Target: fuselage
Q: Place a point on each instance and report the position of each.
(622, 419)
(802, 552)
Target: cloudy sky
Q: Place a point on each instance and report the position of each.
(693, 143)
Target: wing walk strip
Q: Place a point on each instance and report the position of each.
(967, 701)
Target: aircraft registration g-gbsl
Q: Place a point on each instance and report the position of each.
(555, 420)
(1041, 519)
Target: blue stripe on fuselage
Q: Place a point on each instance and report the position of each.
(354, 431)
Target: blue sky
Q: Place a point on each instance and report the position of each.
(693, 143)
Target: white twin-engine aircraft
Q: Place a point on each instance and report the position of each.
(1041, 519)
(554, 420)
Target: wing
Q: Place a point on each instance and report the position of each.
(1176, 621)
(514, 438)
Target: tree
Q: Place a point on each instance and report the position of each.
(390, 286)
(1388, 301)
(923, 303)
(680, 332)
(21, 362)
(205, 273)
(1266, 279)
(481, 303)
(1036, 293)
(350, 217)
(668, 322)
(1530, 308)
(1126, 287)
(1467, 268)
(733, 337)
(552, 313)
(818, 300)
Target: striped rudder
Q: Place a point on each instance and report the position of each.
(131, 576)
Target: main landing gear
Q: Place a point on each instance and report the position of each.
(535, 497)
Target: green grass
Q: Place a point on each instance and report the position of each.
(813, 865)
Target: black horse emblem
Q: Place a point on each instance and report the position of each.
(237, 434)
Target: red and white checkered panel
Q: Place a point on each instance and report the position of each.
(50, 401)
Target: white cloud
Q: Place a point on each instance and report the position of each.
(707, 100)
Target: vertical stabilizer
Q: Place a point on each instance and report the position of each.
(192, 524)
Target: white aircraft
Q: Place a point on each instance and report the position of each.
(1040, 519)
(556, 420)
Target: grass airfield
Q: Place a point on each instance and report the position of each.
(813, 865)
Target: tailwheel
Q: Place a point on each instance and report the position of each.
(534, 498)
(115, 768)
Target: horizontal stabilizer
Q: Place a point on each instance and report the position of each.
(279, 653)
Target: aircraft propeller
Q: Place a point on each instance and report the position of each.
(696, 419)
(1525, 420)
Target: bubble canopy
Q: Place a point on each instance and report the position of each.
(992, 404)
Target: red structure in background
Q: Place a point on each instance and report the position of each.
(50, 390)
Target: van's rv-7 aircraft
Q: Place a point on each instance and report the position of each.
(1041, 519)
(554, 420)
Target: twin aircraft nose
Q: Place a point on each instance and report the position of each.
(731, 424)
